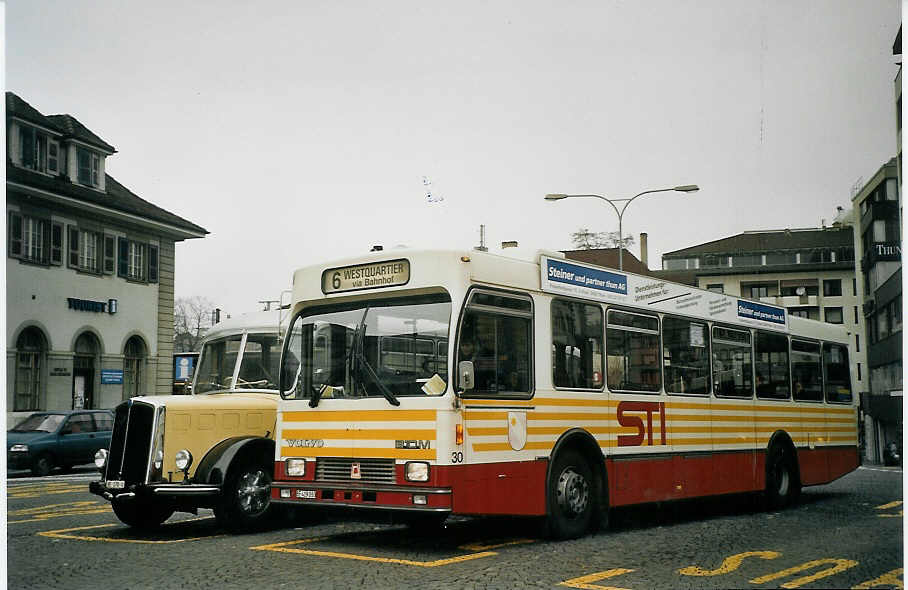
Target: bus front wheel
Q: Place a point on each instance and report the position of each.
(782, 484)
(571, 496)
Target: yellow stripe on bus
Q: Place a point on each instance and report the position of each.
(360, 416)
(360, 434)
(363, 453)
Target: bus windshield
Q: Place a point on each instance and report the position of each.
(387, 348)
(258, 363)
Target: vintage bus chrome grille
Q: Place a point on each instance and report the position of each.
(339, 468)
(130, 442)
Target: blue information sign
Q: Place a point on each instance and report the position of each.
(111, 376)
(756, 311)
(559, 271)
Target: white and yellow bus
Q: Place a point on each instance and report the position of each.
(463, 382)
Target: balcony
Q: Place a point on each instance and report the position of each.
(793, 300)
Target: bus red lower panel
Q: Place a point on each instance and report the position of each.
(499, 488)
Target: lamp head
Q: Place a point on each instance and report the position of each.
(687, 188)
(555, 197)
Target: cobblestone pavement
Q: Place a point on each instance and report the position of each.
(848, 534)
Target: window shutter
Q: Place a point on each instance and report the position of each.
(123, 257)
(73, 247)
(15, 234)
(152, 264)
(109, 255)
(56, 244)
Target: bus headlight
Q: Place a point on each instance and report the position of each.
(101, 459)
(416, 471)
(183, 460)
(295, 467)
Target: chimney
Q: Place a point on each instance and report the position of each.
(644, 250)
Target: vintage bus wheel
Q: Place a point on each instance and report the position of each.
(571, 496)
(245, 498)
(141, 516)
(782, 485)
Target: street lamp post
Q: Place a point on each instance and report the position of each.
(684, 188)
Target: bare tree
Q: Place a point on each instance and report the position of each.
(584, 239)
(191, 319)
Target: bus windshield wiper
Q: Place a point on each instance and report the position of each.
(381, 386)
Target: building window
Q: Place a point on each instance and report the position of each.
(799, 312)
(834, 315)
(832, 287)
(89, 167)
(882, 325)
(85, 250)
(133, 367)
(854, 287)
(716, 288)
(34, 239)
(30, 352)
(137, 261)
(798, 290)
(895, 314)
(38, 151)
(757, 291)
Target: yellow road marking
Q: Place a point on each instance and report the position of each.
(61, 534)
(58, 510)
(887, 579)
(585, 582)
(838, 565)
(889, 505)
(38, 490)
(481, 551)
(730, 564)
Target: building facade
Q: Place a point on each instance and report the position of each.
(89, 273)
(877, 213)
(809, 272)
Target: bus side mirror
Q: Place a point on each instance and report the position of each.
(465, 374)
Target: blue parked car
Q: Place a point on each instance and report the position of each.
(46, 440)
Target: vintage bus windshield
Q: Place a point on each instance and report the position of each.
(258, 363)
(383, 348)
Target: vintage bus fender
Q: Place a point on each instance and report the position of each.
(583, 442)
(215, 465)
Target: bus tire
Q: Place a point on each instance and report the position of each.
(245, 503)
(141, 516)
(782, 484)
(571, 492)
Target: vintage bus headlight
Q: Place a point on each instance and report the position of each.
(101, 459)
(295, 467)
(158, 459)
(183, 459)
(416, 471)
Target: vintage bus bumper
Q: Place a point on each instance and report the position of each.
(198, 494)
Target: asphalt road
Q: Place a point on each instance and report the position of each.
(843, 535)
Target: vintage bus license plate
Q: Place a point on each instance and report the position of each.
(115, 484)
(306, 494)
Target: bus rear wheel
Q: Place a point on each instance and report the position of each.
(571, 492)
(782, 484)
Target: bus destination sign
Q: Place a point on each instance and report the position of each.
(391, 273)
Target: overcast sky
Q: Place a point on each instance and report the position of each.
(298, 132)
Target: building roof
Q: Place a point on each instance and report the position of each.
(74, 129)
(16, 107)
(772, 240)
(116, 197)
(608, 257)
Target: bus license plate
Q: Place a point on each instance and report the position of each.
(116, 484)
(306, 494)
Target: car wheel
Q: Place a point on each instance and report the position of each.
(245, 498)
(43, 465)
(571, 496)
(782, 484)
(141, 516)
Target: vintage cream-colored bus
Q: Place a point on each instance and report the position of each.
(212, 449)
(464, 382)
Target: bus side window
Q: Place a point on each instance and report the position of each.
(496, 336)
(835, 368)
(576, 345)
(632, 349)
(732, 363)
(806, 371)
(771, 362)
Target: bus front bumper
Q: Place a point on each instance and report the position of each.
(376, 497)
(200, 493)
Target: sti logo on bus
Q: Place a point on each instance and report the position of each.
(644, 431)
(413, 444)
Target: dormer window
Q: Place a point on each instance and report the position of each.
(38, 151)
(89, 167)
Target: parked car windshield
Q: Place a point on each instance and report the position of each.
(40, 423)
